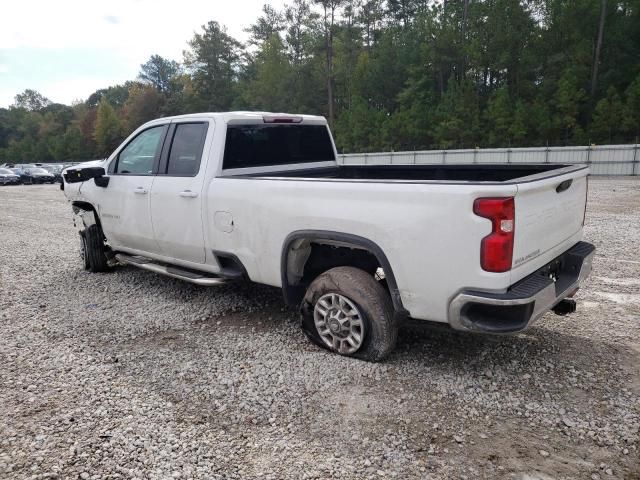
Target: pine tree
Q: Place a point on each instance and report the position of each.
(213, 62)
(631, 119)
(606, 117)
(518, 127)
(456, 122)
(499, 117)
(359, 128)
(568, 103)
(330, 11)
(269, 87)
(159, 71)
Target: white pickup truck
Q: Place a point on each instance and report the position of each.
(218, 197)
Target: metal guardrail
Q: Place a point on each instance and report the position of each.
(603, 160)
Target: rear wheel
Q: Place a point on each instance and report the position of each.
(347, 311)
(95, 251)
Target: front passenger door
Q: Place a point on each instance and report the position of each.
(124, 205)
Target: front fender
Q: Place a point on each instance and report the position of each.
(83, 219)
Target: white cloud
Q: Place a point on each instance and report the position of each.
(140, 25)
(76, 88)
(131, 30)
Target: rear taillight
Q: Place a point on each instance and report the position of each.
(496, 249)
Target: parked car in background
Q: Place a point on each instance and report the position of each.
(54, 169)
(8, 177)
(25, 176)
(40, 175)
(22, 175)
(31, 175)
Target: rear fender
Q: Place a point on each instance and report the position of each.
(291, 254)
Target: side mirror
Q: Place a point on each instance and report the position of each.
(77, 175)
(101, 181)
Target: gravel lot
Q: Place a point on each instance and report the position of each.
(133, 375)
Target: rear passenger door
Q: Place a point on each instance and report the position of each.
(177, 193)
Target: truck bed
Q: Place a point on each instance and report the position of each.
(448, 173)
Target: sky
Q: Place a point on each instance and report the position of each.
(67, 49)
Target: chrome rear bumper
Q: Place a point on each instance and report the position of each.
(526, 301)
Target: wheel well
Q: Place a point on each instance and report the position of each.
(308, 254)
(80, 205)
(86, 206)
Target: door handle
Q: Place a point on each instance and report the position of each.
(188, 193)
(141, 190)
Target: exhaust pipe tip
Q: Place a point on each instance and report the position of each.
(565, 307)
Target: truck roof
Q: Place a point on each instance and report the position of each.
(232, 117)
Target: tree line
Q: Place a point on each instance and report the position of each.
(387, 74)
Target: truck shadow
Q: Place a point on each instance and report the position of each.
(244, 304)
(439, 344)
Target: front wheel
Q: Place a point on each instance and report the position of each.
(347, 311)
(94, 250)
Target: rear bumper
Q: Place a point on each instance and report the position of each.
(526, 301)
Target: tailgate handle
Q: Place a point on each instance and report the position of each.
(564, 185)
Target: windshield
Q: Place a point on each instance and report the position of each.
(37, 170)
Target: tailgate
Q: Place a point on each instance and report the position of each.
(549, 216)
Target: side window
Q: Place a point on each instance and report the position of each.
(138, 156)
(186, 149)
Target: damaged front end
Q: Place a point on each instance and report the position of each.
(83, 219)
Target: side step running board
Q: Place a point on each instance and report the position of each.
(170, 270)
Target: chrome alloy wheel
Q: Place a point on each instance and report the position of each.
(339, 323)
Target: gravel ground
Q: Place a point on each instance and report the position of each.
(133, 375)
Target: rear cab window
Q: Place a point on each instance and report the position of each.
(266, 145)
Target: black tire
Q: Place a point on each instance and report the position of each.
(95, 249)
(83, 252)
(372, 301)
